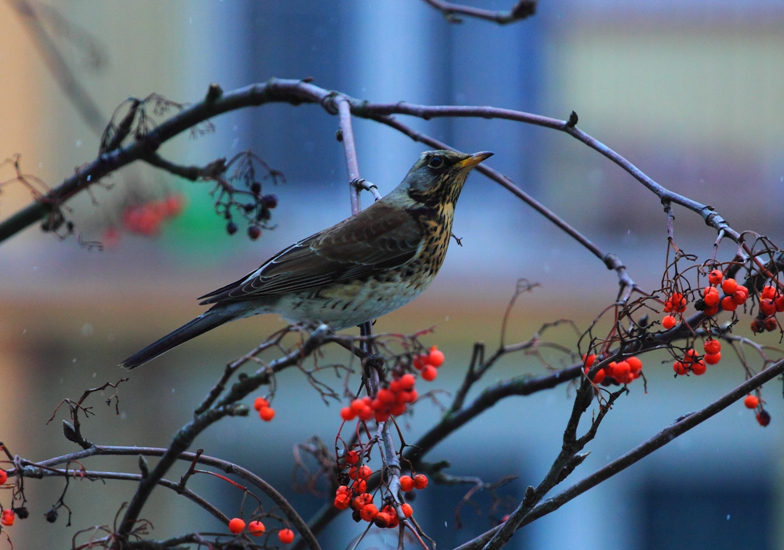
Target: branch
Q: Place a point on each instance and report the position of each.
(664, 437)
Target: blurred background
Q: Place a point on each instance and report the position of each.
(692, 92)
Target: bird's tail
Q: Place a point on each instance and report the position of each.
(207, 321)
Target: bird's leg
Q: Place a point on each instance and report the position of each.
(363, 185)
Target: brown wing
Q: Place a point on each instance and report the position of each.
(378, 238)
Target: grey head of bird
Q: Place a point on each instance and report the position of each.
(437, 178)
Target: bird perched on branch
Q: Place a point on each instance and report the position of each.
(360, 269)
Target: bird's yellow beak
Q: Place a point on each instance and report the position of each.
(475, 159)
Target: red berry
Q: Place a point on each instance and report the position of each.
(779, 303)
(236, 526)
(715, 277)
(407, 510)
(621, 371)
(347, 414)
(768, 292)
(364, 472)
(711, 346)
(669, 322)
(678, 302)
(770, 324)
(741, 295)
(385, 396)
(751, 401)
(360, 486)
(728, 304)
(712, 358)
(420, 481)
(286, 536)
(267, 413)
(3, 477)
(368, 512)
(711, 311)
(254, 232)
(763, 417)
(256, 528)
(429, 373)
(7, 518)
(729, 286)
(712, 298)
(406, 483)
(598, 377)
(757, 326)
(342, 502)
(588, 360)
(767, 307)
(352, 457)
(635, 365)
(260, 402)
(699, 368)
(436, 357)
(680, 367)
(407, 381)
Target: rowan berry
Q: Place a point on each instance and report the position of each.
(711, 346)
(678, 302)
(680, 367)
(763, 417)
(770, 324)
(364, 472)
(360, 501)
(420, 361)
(711, 311)
(768, 292)
(347, 414)
(715, 277)
(420, 481)
(256, 528)
(407, 510)
(621, 371)
(588, 360)
(407, 381)
(711, 298)
(751, 401)
(406, 483)
(436, 357)
(757, 326)
(728, 304)
(259, 403)
(779, 303)
(741, 295)
(368, 512)
(429, 373)
(397, 409)
(7, 518)
(360, 486)
(729, 286)
(598, 377)
(352, 457)
(767, 307)
(635, 365)
(342, 501)
(712, 358)
(392, 520)
(381, 520)
(286, 536)
(236, 526)
(669, 322)
(357, 405)
(698, 367)
(366, 413)
(266, 413)
(3, 477)
(254, 232)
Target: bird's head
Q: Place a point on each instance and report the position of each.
(438, 176)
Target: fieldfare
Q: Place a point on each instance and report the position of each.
(358, 270)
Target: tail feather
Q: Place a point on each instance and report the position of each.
(208, 321)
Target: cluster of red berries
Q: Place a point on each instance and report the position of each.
(620, 372)
(361, 501)
(266, 413)
(257, 528)
(771, 302)
(734, 295)
(427, 363)
(7, 518)
(390, 401)
(693, 363)
(146, 219)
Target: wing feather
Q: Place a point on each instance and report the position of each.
(379, 238)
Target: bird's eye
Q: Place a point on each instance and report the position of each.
(435, 162)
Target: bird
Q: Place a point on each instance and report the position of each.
(355, 271)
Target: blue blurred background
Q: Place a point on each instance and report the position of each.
(692, 92)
